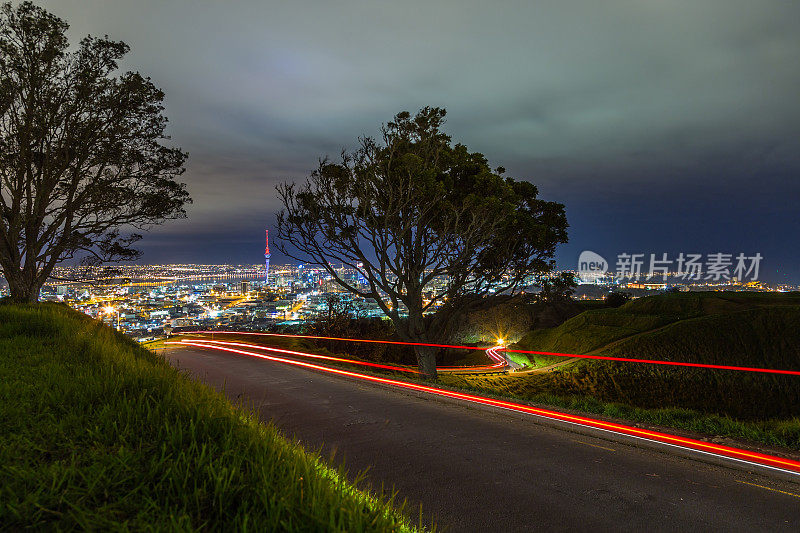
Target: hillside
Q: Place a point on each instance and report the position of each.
(740, 329)
(99, 433)
(594, 331)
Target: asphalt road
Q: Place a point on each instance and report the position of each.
(476, 468)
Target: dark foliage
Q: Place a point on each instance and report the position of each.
(415, 209)
(617, 299)
(81, 151)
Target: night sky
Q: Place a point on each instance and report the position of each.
(664, 126)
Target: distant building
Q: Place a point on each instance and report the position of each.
(648, 286)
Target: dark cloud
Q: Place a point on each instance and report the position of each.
(662, 125)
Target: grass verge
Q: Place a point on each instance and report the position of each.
(99, 433)
(777, 432)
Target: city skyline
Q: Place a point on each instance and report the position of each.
(661, 128)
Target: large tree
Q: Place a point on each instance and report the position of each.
(431, 228)
(82, 157)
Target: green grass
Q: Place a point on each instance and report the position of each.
(594, 330)
(736, 329)
(739, 329)
(774, 432)
(99, 433)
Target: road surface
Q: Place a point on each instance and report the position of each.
(476, 468)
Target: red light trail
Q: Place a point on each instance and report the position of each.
(501, 362)
(315, 356)
(717, 450)
(490, 352)
(534, 352)
(668, 363)
(338, 339)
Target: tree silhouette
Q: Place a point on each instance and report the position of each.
(432, 230)
(81, 152)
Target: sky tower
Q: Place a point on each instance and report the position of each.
(266, 260)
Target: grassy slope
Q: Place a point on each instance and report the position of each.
(96, 432)
(775, 432)
(593, 330)
(743, 329)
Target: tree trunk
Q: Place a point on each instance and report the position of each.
(426, 361)
(24, 289)
(416, 332)
(24, 294)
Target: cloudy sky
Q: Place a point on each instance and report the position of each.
(664, 126)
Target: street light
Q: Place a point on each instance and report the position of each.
(108, 310)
